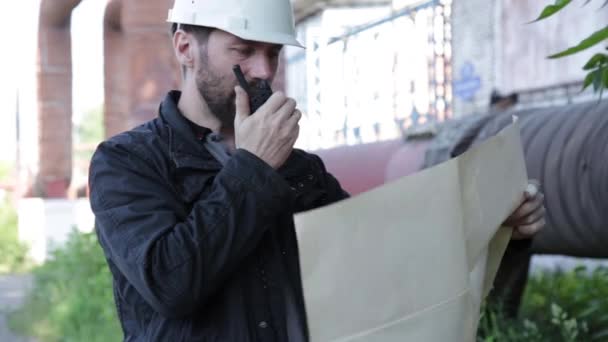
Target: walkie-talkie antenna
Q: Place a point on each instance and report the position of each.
(240, 77)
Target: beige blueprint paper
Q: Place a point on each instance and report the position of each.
(413, 259)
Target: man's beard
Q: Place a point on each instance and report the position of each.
(218, 93)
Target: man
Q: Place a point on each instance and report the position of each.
(200, 241)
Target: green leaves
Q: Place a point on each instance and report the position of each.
(598, 73)
(590, 79)
(595, 38)
(72, 297)
(558, 305)
(595, 61)
(597, 66)
(597, 77)
(552, 9)
(13, 252)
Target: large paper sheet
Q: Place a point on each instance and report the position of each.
(413, 259)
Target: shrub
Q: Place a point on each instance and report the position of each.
(13, 253)
(72, 296)
(557, 306)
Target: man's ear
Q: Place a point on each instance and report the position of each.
(183, 46)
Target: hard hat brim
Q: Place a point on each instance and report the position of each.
(275, 38)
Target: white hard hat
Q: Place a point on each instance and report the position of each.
(268, 21)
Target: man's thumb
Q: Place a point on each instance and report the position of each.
(241, 103)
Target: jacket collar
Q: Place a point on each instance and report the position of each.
(187, 149)
(172, 115)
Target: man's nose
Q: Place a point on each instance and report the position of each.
(261, 67)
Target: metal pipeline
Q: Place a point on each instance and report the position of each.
(566, 148)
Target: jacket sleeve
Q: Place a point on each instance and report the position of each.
(334, 190)
(176, 265)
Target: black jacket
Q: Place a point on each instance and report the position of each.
(200, 251)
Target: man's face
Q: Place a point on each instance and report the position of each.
(215, 79)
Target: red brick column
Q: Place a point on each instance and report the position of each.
(150, 62)
(54, 98)
(116, 78)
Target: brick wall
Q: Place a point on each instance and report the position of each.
(151, 66)
(116, 102)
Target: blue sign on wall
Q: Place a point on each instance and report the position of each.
(467, 84)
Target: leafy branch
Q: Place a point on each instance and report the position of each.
(597, 66)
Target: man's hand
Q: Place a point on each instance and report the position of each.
(271, 131)
(529, 218)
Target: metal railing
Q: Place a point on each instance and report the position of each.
(374, 80)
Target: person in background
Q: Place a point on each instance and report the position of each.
(503, 102)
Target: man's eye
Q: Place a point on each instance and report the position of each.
(242, 51)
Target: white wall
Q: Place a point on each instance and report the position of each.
(522, 63)
(473, 44)
(509, 55)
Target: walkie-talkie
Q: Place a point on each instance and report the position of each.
(258, 94)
